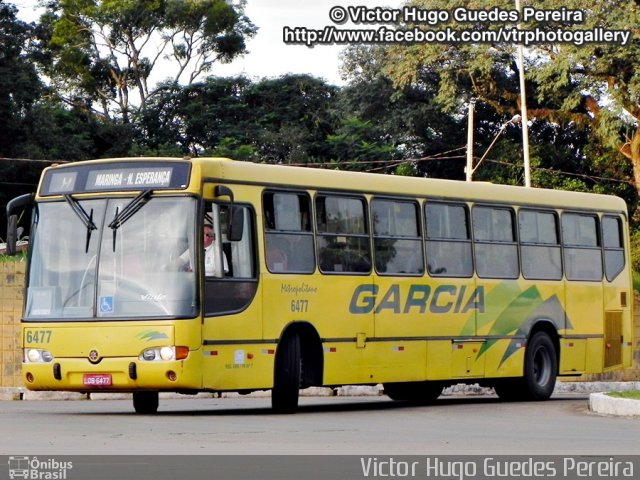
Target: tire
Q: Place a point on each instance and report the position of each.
(540, 367)
(510, 390)
(145, 402)
(419, 392)
(540, 371)
(288, 370)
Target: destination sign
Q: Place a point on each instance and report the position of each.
(115, 176)
(150, 177)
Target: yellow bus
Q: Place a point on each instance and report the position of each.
(151, 275)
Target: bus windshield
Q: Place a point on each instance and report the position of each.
(87, 265)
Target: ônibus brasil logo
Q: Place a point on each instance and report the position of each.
(34, 469)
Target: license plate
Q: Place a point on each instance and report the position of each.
(97, 379)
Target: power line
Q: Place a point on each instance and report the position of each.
(381, 164)
(570, 174)
(33, 160)
(19, 184)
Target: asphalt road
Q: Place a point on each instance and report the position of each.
(338, 425)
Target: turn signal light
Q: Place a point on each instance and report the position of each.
(182, 353)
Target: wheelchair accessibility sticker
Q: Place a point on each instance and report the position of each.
(106, 304)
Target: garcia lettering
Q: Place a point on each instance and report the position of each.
(368, 298)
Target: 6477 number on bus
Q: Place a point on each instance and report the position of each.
(299, 306)
(38, 336)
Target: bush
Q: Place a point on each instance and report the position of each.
(635, 250)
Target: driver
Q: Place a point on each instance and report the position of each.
(209, 257)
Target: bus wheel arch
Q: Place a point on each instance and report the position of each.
(540, 366)
(299, 363)
(541, 361)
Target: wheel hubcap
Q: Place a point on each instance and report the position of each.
(541, 366)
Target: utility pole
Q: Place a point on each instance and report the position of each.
(523, 110)
(469, 169)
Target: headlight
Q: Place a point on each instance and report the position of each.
(158, 354)
(164, 354)
(167, 353)
(36, 355)
(149, 355)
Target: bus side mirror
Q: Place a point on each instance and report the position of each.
(235, 227)
(12, 220)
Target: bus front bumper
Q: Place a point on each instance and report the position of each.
(123, 374)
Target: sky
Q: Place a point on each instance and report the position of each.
(268, 55)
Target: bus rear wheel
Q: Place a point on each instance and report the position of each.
(145, 402)
(540, 367)
(287, 375)
(422, 392)
(540, 371)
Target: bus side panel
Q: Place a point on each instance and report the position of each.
(240, 366)
(505, 358)
(584, 305)
(618, 311)
(408, 309)
(338, 307)
(511, 309)
(235, 355)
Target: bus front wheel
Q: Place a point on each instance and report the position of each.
(288, 370)
(145, 402)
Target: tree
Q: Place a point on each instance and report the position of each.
(596, 86)
(105, 51)
(196, 117)
(408, 119)
(20, 86)
(359, 144)
(20, 89)
(291, 117)
(283, 120)
(52, 130)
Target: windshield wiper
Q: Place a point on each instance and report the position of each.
(127, 212)
(87, 219)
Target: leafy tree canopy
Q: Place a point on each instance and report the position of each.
(20, 86)
(105, 51)
(593, 85)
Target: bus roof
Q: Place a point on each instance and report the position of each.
(243, 172)
(384, 184)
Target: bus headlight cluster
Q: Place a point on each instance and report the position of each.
(164, 354)
(36, 355)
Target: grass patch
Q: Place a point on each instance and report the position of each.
(18, 257)
(636, 281)
(631, 394)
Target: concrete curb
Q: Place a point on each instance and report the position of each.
(608, 405)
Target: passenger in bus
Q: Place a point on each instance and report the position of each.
(276, 258)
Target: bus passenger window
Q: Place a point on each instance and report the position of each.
(396, 237)
(343, 238)
(288, 236)
(582, 253)
(448, 240)
(496, 251)
(613, 247)
(539, 245)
